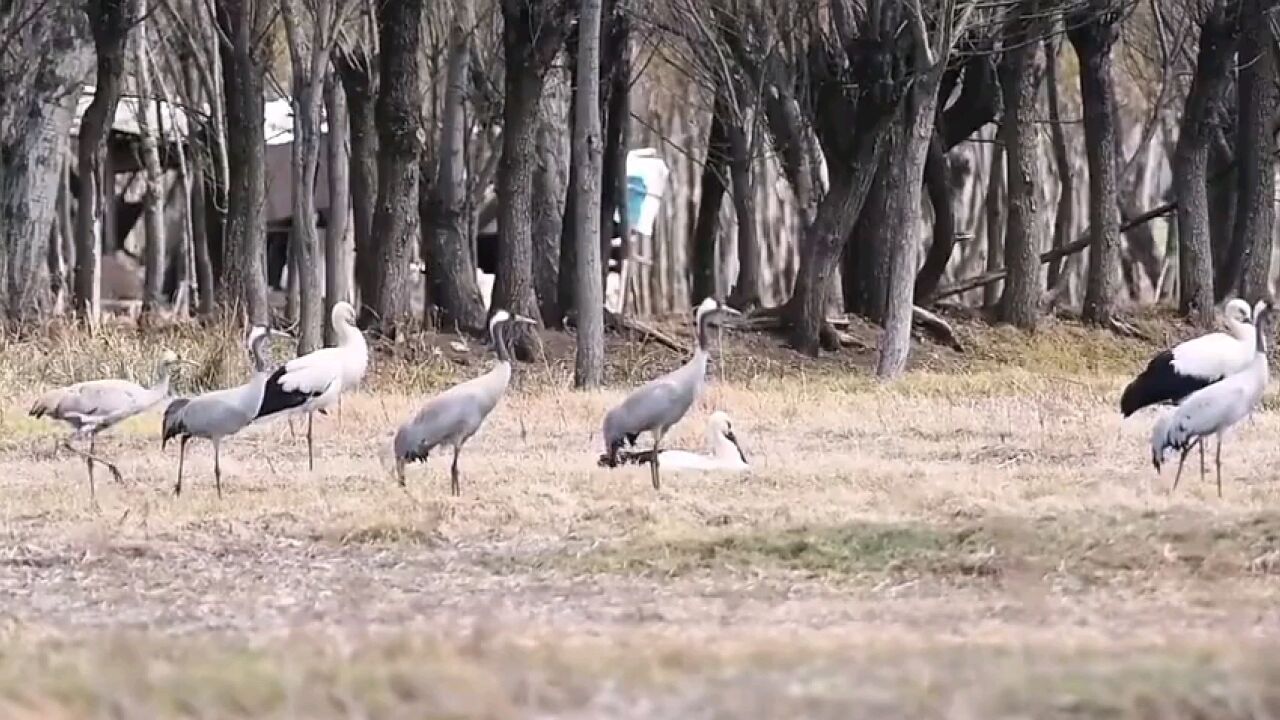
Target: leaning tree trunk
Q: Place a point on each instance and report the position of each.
(1191, 163)
(395, 219)
(109, 20)
(1248, 266)
(937, 181)
(244, 274)
(360, 85)
(336, 286)
(588, 367)
(1092, 35)
(39, 100)
(153, 174)
(1020, 304)
(451, 266)
(1064, 219)
(706, 226)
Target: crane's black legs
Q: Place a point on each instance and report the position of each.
(90, 458)
(217, 469)
(454, 487)
(1181, 459)
(654, 472)
(182, 456)
(311, 458)
(1218, 461)
(400, 472)
(1200, 442)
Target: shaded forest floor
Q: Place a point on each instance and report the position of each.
(985, 538)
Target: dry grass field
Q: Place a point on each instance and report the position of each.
(982, 539)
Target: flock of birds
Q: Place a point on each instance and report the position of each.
(1214, 381)
(315, 382)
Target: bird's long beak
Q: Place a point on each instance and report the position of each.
(734, 439)
(279, 334)
(522, 319)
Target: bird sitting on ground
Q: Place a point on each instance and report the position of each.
(94, 406)
(660, 403)
(218, 414)
(1216, 408)
(724, 453)
(453, 416)
(321, 376)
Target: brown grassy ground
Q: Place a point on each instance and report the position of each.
(983, 539)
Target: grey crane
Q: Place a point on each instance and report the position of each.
(94, 406)
(221, 413)
(660, 403)
(1216, 408)
(453, 416)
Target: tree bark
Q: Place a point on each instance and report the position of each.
(110, 21)
(615, 83)
(937, 181)
(706, 227)
(1065, 215)
(995, 218)
(588, 155)
(1093, 33)
(1191, 161)
(549, 185)
(360, 85)
(1248, 266)
(395, 219)
(746, 289)
(1020, 304)
(244, 273)
(153, 174)
(451, 264)
(336, 283)
(865, 269)
(40, 83)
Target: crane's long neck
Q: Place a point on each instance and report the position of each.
(703, 332)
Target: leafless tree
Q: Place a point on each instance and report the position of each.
(588, 158)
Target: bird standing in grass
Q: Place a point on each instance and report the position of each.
(1174, 374)
(1216, 408)
(320, 376)
(453, 416)
(724, 452)
(660, 403)
(218, 414)
(94, 406)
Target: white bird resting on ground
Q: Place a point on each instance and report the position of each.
(218, 414)
(94, 406)
(723, 451)
(320, 376)
(660, 403)
(1215, 409)
(453, 416)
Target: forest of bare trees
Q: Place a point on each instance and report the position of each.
(1022, 156)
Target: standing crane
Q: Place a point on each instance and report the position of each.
(218, 414)
(94, 406)
(724, 452)
(1215, 409)
(1174, 374)
(453, 416)
(660, 403)
(320, 376)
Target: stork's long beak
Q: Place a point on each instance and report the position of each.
(734, 439)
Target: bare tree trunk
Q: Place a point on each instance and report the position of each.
(395, 220)
(1020, 304)
(202, 227)
(1093, 34)
(1191, 167)
(937, 181)
(1064, 219)
(867, 254)
(360, 85)
(746, 289)
(452, 265)
(109, 20)
(153, 201)
(995, 212)
(62, 238)
(336, 278)
(1248, 266)
(587, 154)
(40, 81)
(244, 275)
(549, 185)
(706, 227)
(615, 82)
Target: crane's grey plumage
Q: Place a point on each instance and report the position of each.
(660, 403)
(1215, 409)
(94, 406)
(453, 416)
(218, 414)
(313, 382)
